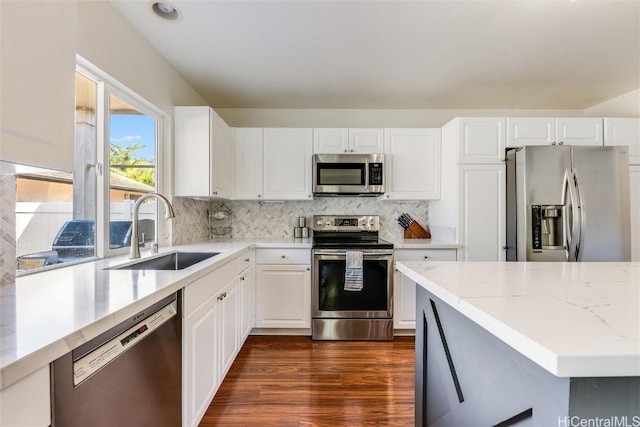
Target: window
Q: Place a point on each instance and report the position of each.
(64, 217)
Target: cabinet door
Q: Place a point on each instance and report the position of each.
(192, 151)
(283, 296)
(579, 131)
(248, 163)
(634, 201)
(330, 141)
(37, 85)
(412, 164)
(481, 140)
(200, 364)
(28, 401)
(530, 131)
(246, 305)
(222, 158)
(366, 140)
(624, 131)
(404, 297)
(482, 212)
(287, 164)
(228, 324)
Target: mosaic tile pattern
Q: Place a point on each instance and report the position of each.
(253, 219)
(191, 223)
(7, 229)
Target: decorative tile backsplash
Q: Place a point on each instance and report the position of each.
(253, 219)
(191, 223)
(7, 228)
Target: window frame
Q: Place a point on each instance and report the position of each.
(106, 86)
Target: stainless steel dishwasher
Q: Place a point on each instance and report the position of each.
(130, 375)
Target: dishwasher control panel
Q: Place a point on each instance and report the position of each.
(92, 362)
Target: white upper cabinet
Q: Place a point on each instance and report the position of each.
(481, 140)
(248, 163)
(37, 84)
(203, 153)
(273, 163)
(330, 140)
(343, 140)
(287, 163)
(624, 131)
(366, 140)
(547, 131)
(412, 164)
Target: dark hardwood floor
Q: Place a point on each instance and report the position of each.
(294, 381)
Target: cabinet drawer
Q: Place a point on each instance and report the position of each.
(203, 288)
(425, 255)
(283, 256)
(244, 260)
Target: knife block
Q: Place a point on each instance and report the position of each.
(415, 231)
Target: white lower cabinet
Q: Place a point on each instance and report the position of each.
(404, 289)
(246, 304)
(216, 323)
(283, 288)
(200, 361)
(228, 326)
(27, 402)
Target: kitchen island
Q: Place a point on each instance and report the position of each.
(538, 344)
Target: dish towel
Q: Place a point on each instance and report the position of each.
(353, 271)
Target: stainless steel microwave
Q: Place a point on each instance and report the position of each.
(348, 174)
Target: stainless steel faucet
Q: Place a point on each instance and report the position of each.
(169, 213)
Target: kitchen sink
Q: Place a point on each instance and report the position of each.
(172, 261)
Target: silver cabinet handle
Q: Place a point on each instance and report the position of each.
(247, 260)
(282, 256)
(426, 257)
(214, 193)
(241, 277)
(259, 195)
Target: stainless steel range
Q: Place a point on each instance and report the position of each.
(352, 291)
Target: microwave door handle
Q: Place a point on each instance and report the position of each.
(366, 175)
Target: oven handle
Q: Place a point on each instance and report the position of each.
(365, 252)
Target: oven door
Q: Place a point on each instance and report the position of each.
(331, 300)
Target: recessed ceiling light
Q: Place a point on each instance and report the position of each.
(165, 10)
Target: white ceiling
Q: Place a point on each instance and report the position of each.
(522, 54)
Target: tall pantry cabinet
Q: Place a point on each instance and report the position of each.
(626, 131)
(473, 187)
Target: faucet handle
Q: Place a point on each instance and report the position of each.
(141, 241)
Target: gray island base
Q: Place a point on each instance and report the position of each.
(465, 376)
(526, 344)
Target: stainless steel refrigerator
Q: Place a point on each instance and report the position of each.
(568, 203)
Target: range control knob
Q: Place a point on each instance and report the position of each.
(319, 222)
(327, 223)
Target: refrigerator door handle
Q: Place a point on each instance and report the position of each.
(571, 231)
(580, 215)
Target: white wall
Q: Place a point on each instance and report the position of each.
(626, 105)
(108, 41)
(248, 117)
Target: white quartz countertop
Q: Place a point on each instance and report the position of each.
(47, 314)
(572, 319)
(424, 244)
